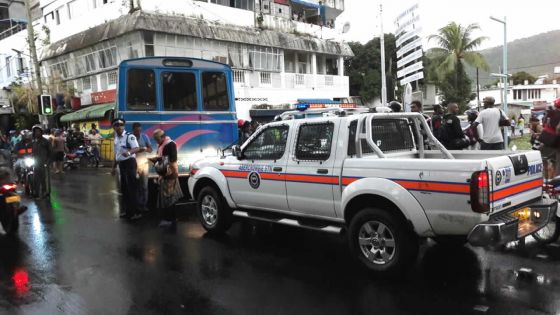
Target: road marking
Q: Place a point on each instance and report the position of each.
(542, 256)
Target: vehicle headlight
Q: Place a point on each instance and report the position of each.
(29, 161)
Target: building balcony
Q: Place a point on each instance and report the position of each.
(288, 81)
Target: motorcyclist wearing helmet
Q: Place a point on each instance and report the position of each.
(24, 147)
(42, 153)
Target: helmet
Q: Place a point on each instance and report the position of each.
(12, 132)
(26, 134)
(37, 127)
(557, 103)
(240, 123)
(471, 114)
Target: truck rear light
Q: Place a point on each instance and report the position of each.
(480, 192)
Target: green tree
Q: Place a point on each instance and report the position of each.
(456, 47)
(364, 69)
(521, 76)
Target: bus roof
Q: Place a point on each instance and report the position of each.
(171, 62)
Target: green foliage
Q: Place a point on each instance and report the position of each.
(364, 68)
(25, 120)
(520, 77)
(446, 63)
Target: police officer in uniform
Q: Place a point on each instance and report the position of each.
(126, 147)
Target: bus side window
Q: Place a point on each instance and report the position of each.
(141, 90)
(215, 91)
(179, 91)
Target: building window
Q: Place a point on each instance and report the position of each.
(331, 65)
(149, 43)
(86, 83)
(57, 15)
(141, 90)
(112, 77)
(265, 58)
(214, 91)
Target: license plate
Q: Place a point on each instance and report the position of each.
(13, 199)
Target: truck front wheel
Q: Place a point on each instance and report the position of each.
(213, 211)
(382, 242)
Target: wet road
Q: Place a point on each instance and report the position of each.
(74, 256)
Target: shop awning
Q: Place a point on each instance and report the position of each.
(307, 3)
(95, 112)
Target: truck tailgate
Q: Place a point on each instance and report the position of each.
(515, 179)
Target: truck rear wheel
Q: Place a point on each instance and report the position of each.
(381, 242)
(213, 211)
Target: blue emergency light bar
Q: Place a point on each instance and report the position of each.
(302, 106)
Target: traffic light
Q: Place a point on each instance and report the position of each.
(46, 104)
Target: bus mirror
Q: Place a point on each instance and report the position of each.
(236, 151)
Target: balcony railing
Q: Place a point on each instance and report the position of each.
(277, 80)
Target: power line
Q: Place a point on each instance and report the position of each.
(543, 64)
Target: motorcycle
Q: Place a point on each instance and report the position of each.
(551, 232)
(10, 208)
(82, 156)
(24, 172)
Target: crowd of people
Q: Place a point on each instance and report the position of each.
(48, 148)
(484, 130)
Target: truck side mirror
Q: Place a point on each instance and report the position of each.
(236, 151)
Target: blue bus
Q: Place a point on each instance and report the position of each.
(192, 100)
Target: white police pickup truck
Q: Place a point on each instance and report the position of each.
(365, 173)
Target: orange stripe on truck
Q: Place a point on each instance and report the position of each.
(516, 189)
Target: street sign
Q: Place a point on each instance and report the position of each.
(412, 78)
(411, 57)
(403, 27)
(412, 68)
(410, 46)
(408, 35)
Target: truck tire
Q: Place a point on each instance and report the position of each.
(382, 242)
(213, 212)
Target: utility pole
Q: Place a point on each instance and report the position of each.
(477, 91)
(32, 48)
(382, 43)
(505, 72)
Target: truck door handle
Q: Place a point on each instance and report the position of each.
(277, 169)
(322, 171)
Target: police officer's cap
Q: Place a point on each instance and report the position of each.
(118, 121)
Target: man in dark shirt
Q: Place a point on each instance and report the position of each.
(452, 132)
(41, 154)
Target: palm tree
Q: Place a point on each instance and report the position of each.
(457, 46)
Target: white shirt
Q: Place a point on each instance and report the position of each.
(120, 146)
(490, 121)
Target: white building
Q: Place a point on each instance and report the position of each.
(278, 52)
(523, 97)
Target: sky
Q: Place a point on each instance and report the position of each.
(524, 18)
